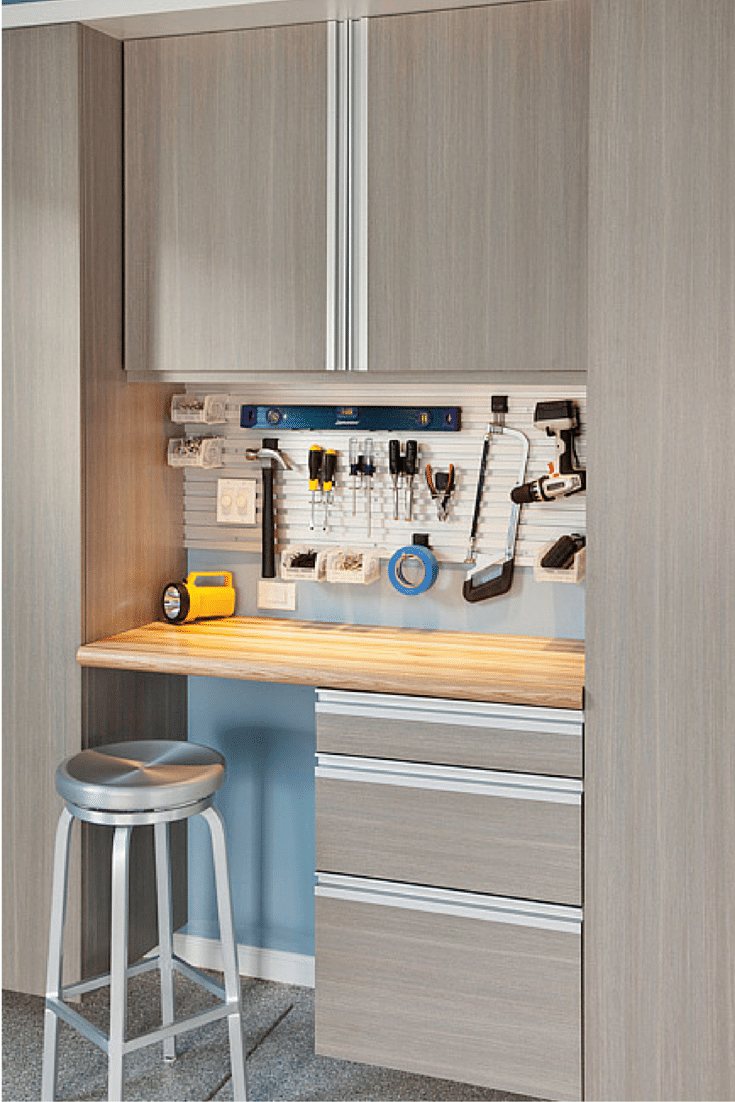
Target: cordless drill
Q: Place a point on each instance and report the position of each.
(560, 419)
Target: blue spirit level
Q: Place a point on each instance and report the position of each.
(366, 418)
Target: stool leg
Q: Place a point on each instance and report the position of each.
(229, 955)
(165, 935)
(55, 964)
(118, 962)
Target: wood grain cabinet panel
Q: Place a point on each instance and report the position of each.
(449, 985)
(226, 246)
(477, 189)
(460, 828)
(660, 795)
(91, 528)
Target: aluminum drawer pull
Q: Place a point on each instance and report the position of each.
(439, 710)
(458, 718)
(481, 782)
(459, 904)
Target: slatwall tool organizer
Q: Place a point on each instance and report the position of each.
(361, 514)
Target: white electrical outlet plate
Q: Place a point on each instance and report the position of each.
(280, 595)
(236, 500)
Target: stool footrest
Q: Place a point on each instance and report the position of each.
(95, 982)
(160, 1034)
(78, 1021)
(192, 973)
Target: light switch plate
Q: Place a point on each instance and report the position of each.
(280, 595)
(236, 500)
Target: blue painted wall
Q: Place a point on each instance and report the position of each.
(267, 734)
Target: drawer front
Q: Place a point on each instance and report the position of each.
(504, 833)
(450, 732)
(430, 984)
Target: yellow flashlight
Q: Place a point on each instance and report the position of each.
(204, 594)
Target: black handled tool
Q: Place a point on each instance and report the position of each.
(315, 466)
(410, 468)
(328, 468)
(268, 454)
(395, 466)
(368, 470)
(356, 463)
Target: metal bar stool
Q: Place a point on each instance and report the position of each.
(123, 785)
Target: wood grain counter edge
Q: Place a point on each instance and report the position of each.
(503, 669)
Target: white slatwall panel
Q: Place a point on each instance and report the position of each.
(449, 540)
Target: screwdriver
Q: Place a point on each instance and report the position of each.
(410, 468)
(356, 462)
(395, 466)
(330, 465)
(368, 471)
(315, 466)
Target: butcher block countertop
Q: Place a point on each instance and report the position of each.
(504, 669)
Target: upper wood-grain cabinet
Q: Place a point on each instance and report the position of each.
(226, 198)
(477, 189)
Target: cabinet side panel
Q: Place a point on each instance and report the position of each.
(133, 538)
(660, 707)
(41, 490)
(477, 176)
(226, 201)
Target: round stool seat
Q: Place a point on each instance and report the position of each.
(140, 776)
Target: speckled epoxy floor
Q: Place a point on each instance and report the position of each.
(279, 1038)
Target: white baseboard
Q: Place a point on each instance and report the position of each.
(264, 964)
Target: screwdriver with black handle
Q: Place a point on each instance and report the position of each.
(356, 465)
(395, 466)
(368, 470)
(315, 466)
(328, 469)
(410, 468)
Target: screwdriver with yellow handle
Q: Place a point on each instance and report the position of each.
(315, 467)
(328, 469)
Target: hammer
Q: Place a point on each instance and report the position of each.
(268, 454)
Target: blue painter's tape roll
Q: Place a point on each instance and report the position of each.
(418, 553)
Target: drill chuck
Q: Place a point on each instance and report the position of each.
(549, 488)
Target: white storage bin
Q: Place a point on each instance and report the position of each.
(315, 573)
(194, 409)
(196, 451)
(352, 565)
(573, 573)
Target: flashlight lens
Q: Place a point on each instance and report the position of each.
(171, 602)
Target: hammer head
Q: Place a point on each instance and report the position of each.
(269, 454)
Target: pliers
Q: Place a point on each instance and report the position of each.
(441, 487)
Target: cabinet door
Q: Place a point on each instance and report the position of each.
(476, 189)
(226, 161)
